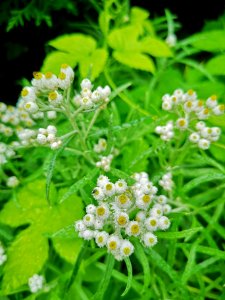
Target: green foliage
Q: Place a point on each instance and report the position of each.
(32, 208)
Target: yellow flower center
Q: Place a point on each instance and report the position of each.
(123, 199)
(182, 122)
(153, 222)
(146, 198)
(52, 95)
(151, 240)
(112, 245)
(189, 104)
(206, 111)
(135, 229)
(48, 75)
(24, 93)
(108, 187)
(100, 239)
(190, 92)
(100, 211)
(126, 250)
(62, 76)
(37, 75)
(121, 220)
(64, 66)
(213, 97)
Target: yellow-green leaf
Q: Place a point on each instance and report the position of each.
(124, 38)
(212, 41)
(135, 60)
(55, 59)
(79, 45)
(216, 65)
(155, 47)
(26, 256)
(94, 64)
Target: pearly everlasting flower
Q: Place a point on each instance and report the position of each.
(171, 40)
(55, 98)
(86, 84)
(105, 162)
(189, 108)
(51, 114)
(12, 182)
(149, 239)
(3, 256)
(124, 214)
(101, 238)
(203, 144)
(126, 248)
(31, 107)
(36, 283)
(100, 146)
(166, 182)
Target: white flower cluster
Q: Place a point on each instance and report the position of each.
(189, 109)
(105, 162)
(48, 137)
(166, 182)
(171, 40)
(3, 256)
(36, 283)
(88, 99)
(47, 83)
(100, 146)
(6, 152)
(110, 222)
(12, 182)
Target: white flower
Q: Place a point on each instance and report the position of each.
(36, 283)
(149, 239)
(203, 144)
(102, 211)
(113, 243)
(120, 186)
(31, 107)
(157, 210)
(90, 209)
(100, 146)
(194, 137)
(211, 102)
(51, 129)
(171, 40)
(219, 110)
(79, 226)
(86, 102)
(109, 189)
(50, 81)
(140, 216)
(102, 180)
(98, 224)
(55, 98)
(200, 125)
(182, 123)
(28, 94)
(101, 238)
(86, 84)
(143, 201)
(123, 201)
(88, 220)
(166, 208)
(151, 223)
(203, 114)
(87, 234)
(126, 248)
(167, 105)
(121, 219)
(12, 182)
(51, 114)
(41, 139)
(133, 228)
(56, 145)
(98, 193)
(161, 199)
(163, 223)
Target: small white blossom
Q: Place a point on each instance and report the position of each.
(12, 182)
(36, 283)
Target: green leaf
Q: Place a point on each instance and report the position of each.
(155, 47)
(79, 45)
(93, 64)
(135, 60)
(26, 256)
(189, 265)
(30, 205)
(212, 41)
(68, 248)
(99, 295)
(140, 254)
(132, 152)
(202, 179)
(216, 65)
(55, 59)
(130, 276)
(79, 184)
(179, 234)
(138, 14)
(124, 39)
